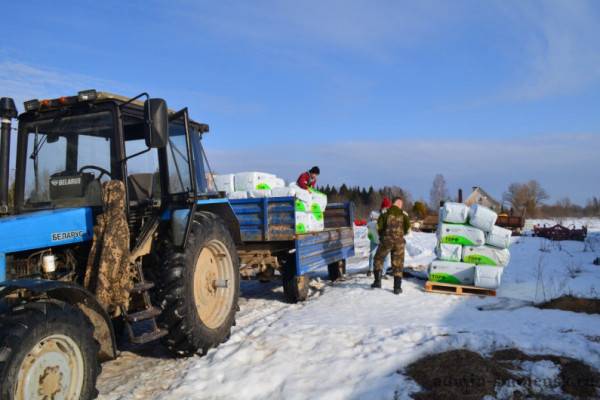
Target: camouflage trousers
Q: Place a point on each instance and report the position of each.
(397, 250)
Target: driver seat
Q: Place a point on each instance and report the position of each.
(143, 188)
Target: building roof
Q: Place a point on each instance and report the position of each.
(481, 196)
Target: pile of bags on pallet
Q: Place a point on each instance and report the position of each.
(310, 204)
(471, 249)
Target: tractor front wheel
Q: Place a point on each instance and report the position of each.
(199, 288)
(48, 352)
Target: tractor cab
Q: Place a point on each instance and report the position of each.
(68, 147)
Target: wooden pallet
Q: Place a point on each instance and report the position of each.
(461, 290)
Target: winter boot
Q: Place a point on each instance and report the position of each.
(377, 282)
(397, 285)
(369, 273)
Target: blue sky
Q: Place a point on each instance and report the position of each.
(374, 92)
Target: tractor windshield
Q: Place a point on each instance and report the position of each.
(67, 159)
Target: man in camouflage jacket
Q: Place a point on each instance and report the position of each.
(392, 227)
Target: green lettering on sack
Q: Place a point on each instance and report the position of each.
(457, 239)
(444, 278)
(263, 186)
(480, 259)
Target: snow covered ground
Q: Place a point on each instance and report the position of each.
(349, 341)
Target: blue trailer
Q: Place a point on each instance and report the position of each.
(271, 245)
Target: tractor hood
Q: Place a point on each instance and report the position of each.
(42, 229)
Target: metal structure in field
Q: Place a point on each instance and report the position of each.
(559, 232)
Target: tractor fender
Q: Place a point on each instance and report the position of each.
(222, 208)
(77, 296)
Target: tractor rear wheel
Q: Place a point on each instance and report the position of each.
(336, 270)
(199, 288)
(48, 351)
(295, 287)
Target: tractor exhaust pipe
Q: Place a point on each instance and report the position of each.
(8, 111)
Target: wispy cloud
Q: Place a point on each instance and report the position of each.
(554, 50)
(561, 50)
(358, 26)
(566, 164)
(23, 82)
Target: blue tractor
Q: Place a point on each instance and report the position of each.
(180, 263)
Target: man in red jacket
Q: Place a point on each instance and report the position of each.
(308, 179)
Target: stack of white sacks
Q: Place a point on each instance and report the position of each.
(310, 204)
(471, 249)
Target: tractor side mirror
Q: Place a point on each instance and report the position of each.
(156, 123)
(52, 138)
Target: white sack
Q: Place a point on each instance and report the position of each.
(249, 181)
(300, 193)
(278, 183)
(302, 222)
(319, 198)
(463, 235)
(259, 194)
(486, 255)
(456, 213)
(237, 195)
(482, 217)
(283, 192)
(449, 252)
(498, 237)
(488, 277)
(452, 272)
(315, 224)
(224, 183)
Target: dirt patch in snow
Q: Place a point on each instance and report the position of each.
(577, 378)
(468, 375)
(575, 304)
(457, 374)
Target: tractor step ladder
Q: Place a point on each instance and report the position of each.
(141, 321)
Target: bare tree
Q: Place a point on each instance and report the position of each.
(438, 192)
(526, 196)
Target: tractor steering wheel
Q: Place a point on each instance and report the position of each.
(99, 169)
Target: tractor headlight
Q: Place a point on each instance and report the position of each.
(87, 95)
(32, 105)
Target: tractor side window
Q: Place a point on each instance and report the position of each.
(145, 163)
(68, 156)
(143, 173)
(45, 159)
(94, 150)
(179, 167)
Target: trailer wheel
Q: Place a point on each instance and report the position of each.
(199, 288)
(336, 270)
(48, 351)
(295, 287)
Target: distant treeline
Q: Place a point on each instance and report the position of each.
(565, 208)
(527, 198)
(366, 199)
